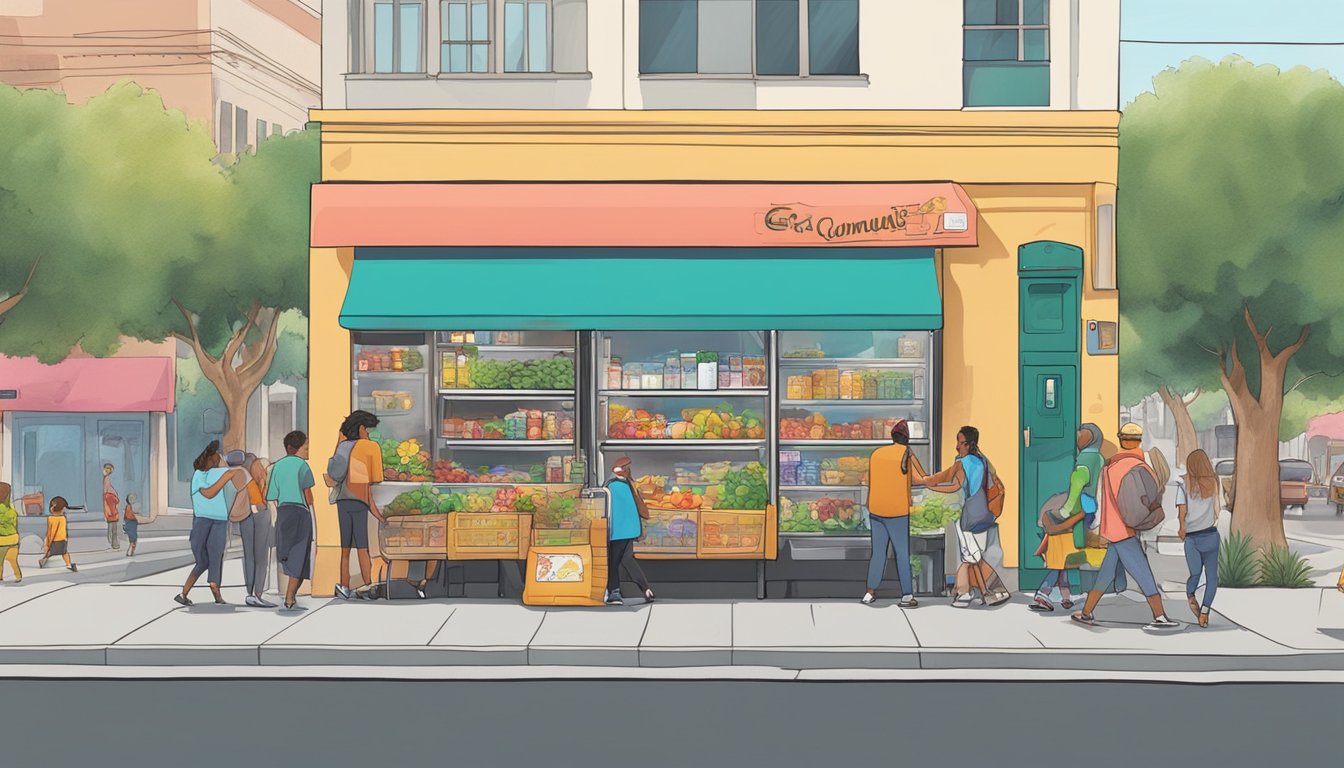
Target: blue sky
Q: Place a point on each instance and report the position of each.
(1226, 20)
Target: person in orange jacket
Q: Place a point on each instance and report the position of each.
(57, 542)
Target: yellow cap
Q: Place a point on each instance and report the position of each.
(1131, 431)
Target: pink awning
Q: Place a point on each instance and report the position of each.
(88, 385)
(639, 215)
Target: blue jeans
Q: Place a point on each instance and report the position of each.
(1201, 554)
(893, 531)
(209, 538)
(1128, 555)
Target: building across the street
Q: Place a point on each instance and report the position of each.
(734, 241)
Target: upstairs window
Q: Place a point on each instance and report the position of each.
(398, 36)
(481, 36)
(790, 38)
(1006, 52)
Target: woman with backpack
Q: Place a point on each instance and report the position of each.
(972, 474)
(1197, 507)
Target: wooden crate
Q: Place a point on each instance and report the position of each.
(409, 537)
(731, 535)
(488, 535)
(656, 546)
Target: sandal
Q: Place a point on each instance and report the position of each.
(1066, 603)
(1194, 605)
(962, 601)
(1084, 618)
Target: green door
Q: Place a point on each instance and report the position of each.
(1049, 344)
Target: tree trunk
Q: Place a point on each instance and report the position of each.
(10, 302)
(1257, 513)
(1187, 440)
(237, 372)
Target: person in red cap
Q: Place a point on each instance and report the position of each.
(893, 471)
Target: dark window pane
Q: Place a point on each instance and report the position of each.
(1006, 84)
(980, 12)
(667, 35)
(991, 44)
(1035, 11)
(1007, 12)
(833, 37)
(1036, 45)
(777, 37)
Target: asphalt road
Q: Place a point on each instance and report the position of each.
(666, 723)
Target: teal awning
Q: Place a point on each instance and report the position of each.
(729, 289)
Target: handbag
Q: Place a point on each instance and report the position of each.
(640, 506)
(995, 495)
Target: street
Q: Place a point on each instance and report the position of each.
(666, 723)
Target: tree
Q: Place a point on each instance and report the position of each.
(1145, 371)
(1230, 230)
(141, 233)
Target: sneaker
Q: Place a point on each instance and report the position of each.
(266, 603)
(869, 598)
(420, 593)
(1041, 605)
(908, 601)
(1204, 619)
(613, 599)
(1161, 624)
(74, 568)
(648, 595)
(182, 599)
(252, 602)
(343, 592)
(962, 601)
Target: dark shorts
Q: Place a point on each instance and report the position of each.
(132, 528)
(353, 517)
(294, 540)
(57, 548)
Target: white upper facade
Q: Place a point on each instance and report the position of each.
(721, 54)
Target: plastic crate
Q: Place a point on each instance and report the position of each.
(414, 536)
(731, 534)
(488, 535)
(669, 532)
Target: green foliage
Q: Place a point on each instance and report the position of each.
(933, 514)
(1207, 410)
(1281, 567)
(1236, 562)
(1246, 137)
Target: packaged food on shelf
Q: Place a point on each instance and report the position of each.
(910, 347)
(632, 376)
(392, 401)
(651, 376)
(799, 388)
(689, 370)
(672, 372)
(753, 372)
(391, 360)
(726, 378)
(707, 370)
(615, 379)
(801, 353)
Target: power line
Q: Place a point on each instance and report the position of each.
(1303, 43)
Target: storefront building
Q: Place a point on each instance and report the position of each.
(741, 282)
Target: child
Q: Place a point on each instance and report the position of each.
(130, 523)
(57, 533)
(9, 535)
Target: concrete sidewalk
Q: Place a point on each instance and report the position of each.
(138, 624)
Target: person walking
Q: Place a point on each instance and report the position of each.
(970, 474)
(1197, 508)
(353, 495)
(290, 487)
(58, 534)
(1065, 530)
(130, 523)
(627, 510)
(210, 520)
(111, 502)
(893, 471)
(1124, 550)
(255, 530)
(9, 535)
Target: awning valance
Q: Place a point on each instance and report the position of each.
(88, 385)
(643, 289)
(681, 215)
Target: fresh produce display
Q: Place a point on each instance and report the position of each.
(815, 426)
(561, 512)
(933, 513)
(453, 472)
(403, 460)
(744, 488)
(719, 423)
(554, 373)
(425, 500)
(396, 359)
(827, 514)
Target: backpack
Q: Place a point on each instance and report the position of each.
(241, 506)
(338, 469)
(1139, 498)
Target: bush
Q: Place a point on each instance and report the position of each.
(1236, 562)
(1281, 567)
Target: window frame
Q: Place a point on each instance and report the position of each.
(469, 42)
(527, 48)
(1021, 62)
(804, 55)
(369, 32)
(224, 128)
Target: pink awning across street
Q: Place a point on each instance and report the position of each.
(88, 385)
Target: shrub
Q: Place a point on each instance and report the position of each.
(1281, 567)
(1236, 562)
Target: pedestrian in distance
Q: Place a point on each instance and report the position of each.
(58, 534)
(627, 512)
(9, 535)
(111, 502)
(893, 471)
(352, 471)
(290, 488)
(130, 523)
(1197, 508)
(1066, 529)
(1131, 502)
(210, 520)
(972, 476)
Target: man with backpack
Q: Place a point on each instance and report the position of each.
(1131, 501)
(351, 473)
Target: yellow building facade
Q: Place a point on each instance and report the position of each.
(1033, 177)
